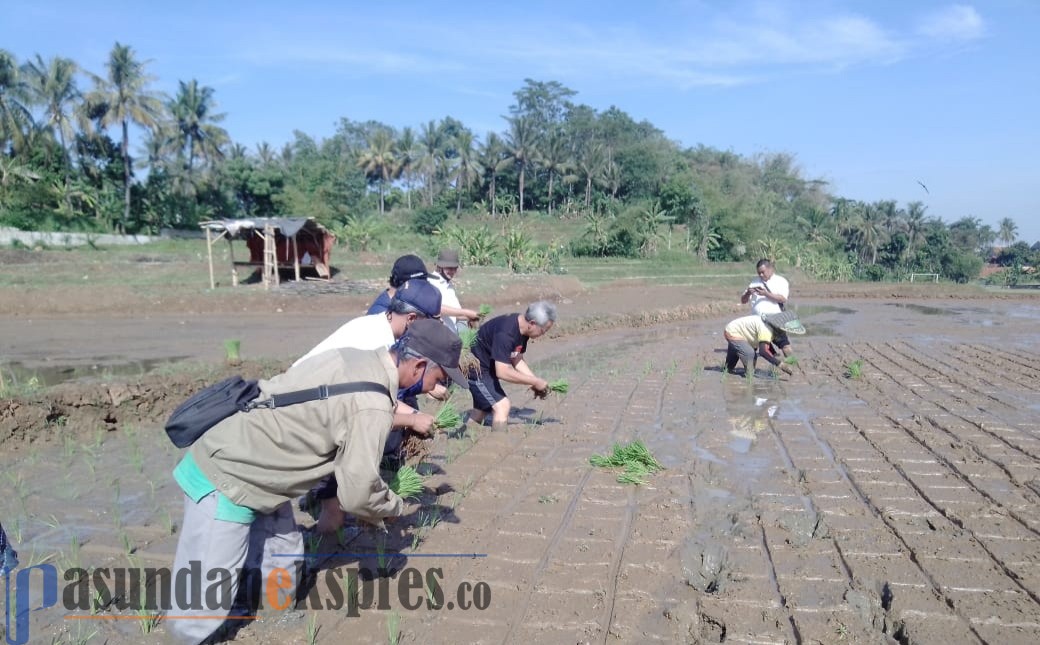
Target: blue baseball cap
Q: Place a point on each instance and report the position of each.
(418, 295)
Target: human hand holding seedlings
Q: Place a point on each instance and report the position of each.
(421, 423)
(541, 388)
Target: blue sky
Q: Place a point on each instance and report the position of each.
(871, 96)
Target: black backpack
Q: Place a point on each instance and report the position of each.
(217, 402)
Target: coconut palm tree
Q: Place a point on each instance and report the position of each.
(521, 148)
(556, 161)
(431, 156)
(467, 165)
(591, 165)
(1007, 231)
(265, 154)
(52, 84)
(126, 99)
(915, 227)
(15, 117)
(492, 154)
(404, 152)
(197, 133)
(378, 162)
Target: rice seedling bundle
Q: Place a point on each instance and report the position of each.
(447, 417)
(407, 483)
(634, 457)
(468, 337)
(484, 311)
(559, 386)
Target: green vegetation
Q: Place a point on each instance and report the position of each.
(605, 184)
(634, 458)
(484, 311)
(468, 337)
(559, 386)
(854, 369)
(231, 351)
(407, 483)
(447, 416)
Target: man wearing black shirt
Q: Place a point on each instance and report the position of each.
(500, 346)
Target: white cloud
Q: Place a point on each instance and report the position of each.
(956, 22)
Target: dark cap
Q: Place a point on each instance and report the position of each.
(433, 340)
(421, 295)
(449, 259)
(407, 267)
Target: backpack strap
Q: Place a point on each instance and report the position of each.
(317, 393)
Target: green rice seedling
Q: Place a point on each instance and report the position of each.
(407, 483)
(350, 588)
(70, 559)
(128, 545)
(634, 458)
(168, 524)
(312, 629)
(68, 445)
(393, 628)
(231, 351)
(791, 360)
(313, 541)
(136, 457)
(484, 311)
(559, 386)
(381, 559)
(468, 337)
(854, 369)
(447, 417)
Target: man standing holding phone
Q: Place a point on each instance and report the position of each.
(768, 295)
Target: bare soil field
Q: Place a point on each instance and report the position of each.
(885, 493)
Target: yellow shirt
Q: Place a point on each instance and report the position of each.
(750, 328)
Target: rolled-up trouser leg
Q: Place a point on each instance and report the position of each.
(740, 349)
(219, 548)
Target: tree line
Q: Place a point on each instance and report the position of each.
(67, 162)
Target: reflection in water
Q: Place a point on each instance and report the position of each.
(749, 407)
(104, 367)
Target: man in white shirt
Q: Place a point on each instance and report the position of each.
(768, 295)
(451, 311)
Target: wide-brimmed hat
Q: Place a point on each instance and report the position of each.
(785, 321)
(448, 259)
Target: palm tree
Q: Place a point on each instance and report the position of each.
(15, 117)
(378, 161)
(265, 154)
(556, 160)
(53, 85)
(491, 156)
(590, 168)
(431, 156)
(197, 132)
(915, 226)
(127, 100)
(1008, 231)
(404, 151)
(467, 165)
(521, 148)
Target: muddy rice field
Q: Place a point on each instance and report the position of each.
(887, 492)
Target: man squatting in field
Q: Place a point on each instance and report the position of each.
(240, 477)
(768, 295)
(743, 335)
(499, 348)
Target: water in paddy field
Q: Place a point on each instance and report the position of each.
(100, 367)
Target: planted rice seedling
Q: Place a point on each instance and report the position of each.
(393, 628)
(407, 483)
(559, 386)
(854, 369)
(634, 458)
(231, 351)
(312, 629)
(791, 360)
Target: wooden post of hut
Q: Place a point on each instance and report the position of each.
(209, 251)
